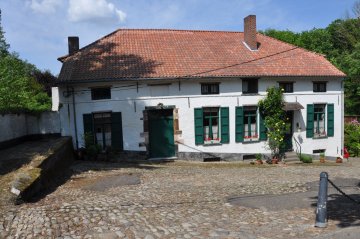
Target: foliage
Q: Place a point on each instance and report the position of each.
(22, 85)
(271, 107)
(91, 148)
(340, 43)
(322, 155)
(352, 138)
(4, 47)
(306, 158)
(258, 156)
(19, 91)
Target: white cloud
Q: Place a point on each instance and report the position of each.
(87, 10)
(44, 6)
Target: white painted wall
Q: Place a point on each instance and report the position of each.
(13, 126)
(131, 99)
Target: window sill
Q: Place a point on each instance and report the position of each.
(249, 141)
(212, 143)
(250, 94)
(321, 137)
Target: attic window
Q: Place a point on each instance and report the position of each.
(100, 93)
(210, 88)
(250, 86)
(319, 86)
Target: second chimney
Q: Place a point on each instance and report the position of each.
(73, 43)
(250, 32)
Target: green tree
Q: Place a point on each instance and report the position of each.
(22, 85)
(339, 42)
(19, 91)
(271, 107)
(4, 47)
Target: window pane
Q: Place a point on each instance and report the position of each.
(210, 88)
(211, 123)
(100, 93)
(250, 85)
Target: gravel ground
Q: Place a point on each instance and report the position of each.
(181, 200)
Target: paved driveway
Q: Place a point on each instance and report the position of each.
(186, 200)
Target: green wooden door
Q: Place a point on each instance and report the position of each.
(161, 134)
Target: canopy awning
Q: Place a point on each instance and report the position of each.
(292, 106)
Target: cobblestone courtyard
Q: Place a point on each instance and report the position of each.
(177, 200)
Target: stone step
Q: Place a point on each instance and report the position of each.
(291, 156)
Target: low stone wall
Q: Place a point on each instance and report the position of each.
(43, 170)
(17, 128)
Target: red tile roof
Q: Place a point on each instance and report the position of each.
(133, 54)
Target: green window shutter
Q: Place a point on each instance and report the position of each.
(88, 123)
(224, 114)
(116, 131)
(88, 128)
(263, 135)
(199, 129)
(239, 124)
(310, 121)
(330, 120)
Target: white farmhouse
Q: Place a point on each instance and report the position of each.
(194, 94)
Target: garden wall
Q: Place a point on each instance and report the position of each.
(15, 128)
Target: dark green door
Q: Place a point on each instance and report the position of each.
(161, 133)
(289, 131)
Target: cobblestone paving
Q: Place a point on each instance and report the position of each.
(175, 200)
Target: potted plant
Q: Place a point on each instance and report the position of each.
(322, 157)
(339, 159)
(258, 159)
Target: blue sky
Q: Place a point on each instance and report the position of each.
(38, 29)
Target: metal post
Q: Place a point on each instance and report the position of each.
(321, 210)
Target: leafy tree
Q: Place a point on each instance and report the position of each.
(271, 107)
(19, 91)
(4, 47)
(23, 88)
(339, 42)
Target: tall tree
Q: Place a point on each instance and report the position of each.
(4, 47)
(356, 9)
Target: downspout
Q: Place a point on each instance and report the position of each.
(74, 112)
(342, 117)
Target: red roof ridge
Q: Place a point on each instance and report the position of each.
(62, 58)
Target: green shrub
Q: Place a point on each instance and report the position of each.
(352, 138)
(306, 158)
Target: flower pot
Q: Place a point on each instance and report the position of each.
(259, 162)
(338, 160)
(322, 160)
(274, 161)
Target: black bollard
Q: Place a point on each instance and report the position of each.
(321, 209)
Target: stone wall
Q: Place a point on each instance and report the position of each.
(18, 127)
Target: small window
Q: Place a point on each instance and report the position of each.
(250, 123)
(319, 121)
(250, 86)
(319, 86)
(100, 93)
(210, 89)
(287, 86)
(211, 125)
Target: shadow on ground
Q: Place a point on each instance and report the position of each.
(80, 166)
(340, 208)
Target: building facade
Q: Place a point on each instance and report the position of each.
(194, 94)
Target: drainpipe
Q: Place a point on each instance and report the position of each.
(74, 112)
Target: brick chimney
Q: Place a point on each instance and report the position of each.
(73, 43)
(250, 32)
